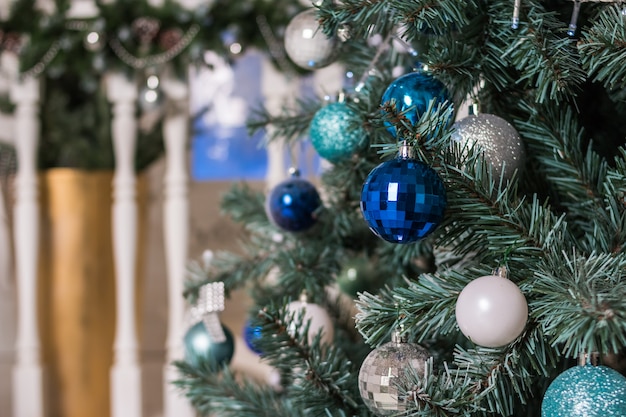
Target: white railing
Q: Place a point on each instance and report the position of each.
(29, 398)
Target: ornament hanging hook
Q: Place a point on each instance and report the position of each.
(573, 24)
(515, 20)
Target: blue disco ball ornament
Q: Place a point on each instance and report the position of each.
(411, 94)
(251, 335)
(403, 200)
(201, 350)
(586, 391)
(292, 205)
(336, 132)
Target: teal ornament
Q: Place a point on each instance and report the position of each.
(202, 351)
(411, 94)
(586, 391)
(336, 132)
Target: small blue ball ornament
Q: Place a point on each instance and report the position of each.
(251, 335)
(293, 203)
(403, 200)
(586, 391)
(411, 94)
(202, 351)
(336, 132)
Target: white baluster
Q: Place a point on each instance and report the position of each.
(278, 89)
(83, 9)
(176, 230)
(126, 372)
(28, 375)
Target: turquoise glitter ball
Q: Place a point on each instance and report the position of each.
(336, 132)
(411, 94)
(586, 391)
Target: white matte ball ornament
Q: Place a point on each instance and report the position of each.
(306, 44)
(491, 311)
(319, 320)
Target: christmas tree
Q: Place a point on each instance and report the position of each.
(484, 250)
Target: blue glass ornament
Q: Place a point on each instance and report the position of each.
(251, 334)
(586, 391)
(202, 351)
(411, 94)
(336, 132)
(292, 204)
(403, 200)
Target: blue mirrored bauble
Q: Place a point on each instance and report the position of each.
(251, 334)
(336, 132)
(291, 205)
(403, 200)
(202, 351)
(586, 391)
(413, 93)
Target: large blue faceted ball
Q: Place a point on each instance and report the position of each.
(336, 132)
(586, 391)
(412, 93)
(403, 200)
(202, 351)
(292, 205)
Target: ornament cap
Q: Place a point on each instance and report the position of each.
(501, 271)
(398, 336)
(294, 172)
(592, 358)
(406, 150)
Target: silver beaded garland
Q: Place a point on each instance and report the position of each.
(500, 143)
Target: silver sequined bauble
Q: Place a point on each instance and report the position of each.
(306, 44)
(383, 370)
(498, 139)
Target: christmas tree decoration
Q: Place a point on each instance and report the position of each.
(203, 350)
(94, 41)
(251, 335)
(150, 95)
(384, 368)
(411, 95)
(491, 310)
(500, 143)
(357, 275)
(403, 200)
(586, 390)
(293, 203)
(305, 43)
(337, 133)
(208, 343)
(319, 319)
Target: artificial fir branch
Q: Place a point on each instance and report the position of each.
(229, 397)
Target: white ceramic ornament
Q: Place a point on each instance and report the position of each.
(319, 320)
(306, 44)
(491, 311)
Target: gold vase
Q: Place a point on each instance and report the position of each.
(77, 288)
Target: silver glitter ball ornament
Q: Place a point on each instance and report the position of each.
(306, 44)
(384, 369)
(500, 143)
